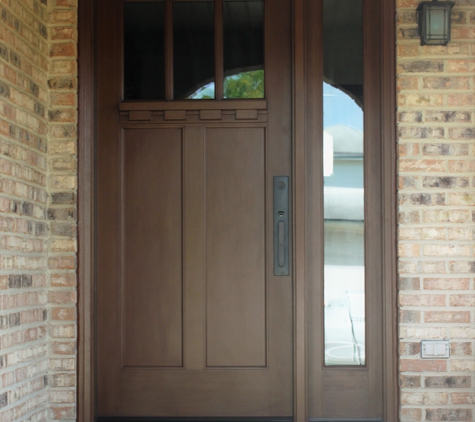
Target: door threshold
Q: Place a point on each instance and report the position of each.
(193, 419)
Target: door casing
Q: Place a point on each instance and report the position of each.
(301, 79)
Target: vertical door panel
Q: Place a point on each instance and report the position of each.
(235, 247)
(152, 247)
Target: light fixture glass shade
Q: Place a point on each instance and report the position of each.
(434, 22)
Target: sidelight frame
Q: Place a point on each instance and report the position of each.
(86, 396)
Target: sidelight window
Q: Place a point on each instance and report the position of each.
(344, 207)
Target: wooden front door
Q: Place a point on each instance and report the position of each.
(191, 318)
(244, 219)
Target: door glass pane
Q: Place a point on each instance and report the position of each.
(193, 50)
(144, 65)
(343, 152)
(243, 42)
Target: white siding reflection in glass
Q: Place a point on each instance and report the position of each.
(344, 229)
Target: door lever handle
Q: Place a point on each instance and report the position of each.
(281, 225)
(281, 244)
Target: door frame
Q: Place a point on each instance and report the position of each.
(86, 204)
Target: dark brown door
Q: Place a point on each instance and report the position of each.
(191, 320)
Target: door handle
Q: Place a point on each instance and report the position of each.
(281, 225)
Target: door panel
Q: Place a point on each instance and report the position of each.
(152, 248)
(236, 308)
(191, 320)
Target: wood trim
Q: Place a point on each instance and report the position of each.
(86, 133)
(168, 50)
(218, 50)
(299, 226)
(194, 105)
(389, 191)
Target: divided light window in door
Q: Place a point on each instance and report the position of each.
(208, 50)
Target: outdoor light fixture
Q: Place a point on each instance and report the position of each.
(434, 22)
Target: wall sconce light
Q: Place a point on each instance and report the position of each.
(433, 18)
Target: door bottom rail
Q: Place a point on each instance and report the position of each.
(192, 419)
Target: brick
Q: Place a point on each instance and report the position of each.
(407, 33)
(410, 233)
(418, 365)
(64, 314)
(64, 348)
(445, 149)
(461, 100)
(462, 166)
(420, 100)
(445, 182)
(461, 349)
(446, 284)
(462, 398)
(409, 381)
(408, 182)
(422, 332)
(62, 412)
(422, 66)
(408, 316)
(63, 280)
(62, 297)
(409, 217)
(409, 348)
(448, 382)
(449, 414)
(465, 365)
(446, 216)
(421, 165)
(460, 65)
(420, 398)
(462, 300)
(63, 331)
(421, 133)
(462, 266)
(447, 316)
(62, 17)
(408, 149)
(425, 267)
(62, 33)
(410, 414)
(62, 115)
(409, 283)
(462, 332)
(460, 233)
(408, 250)
(446, 250)
(62, 396)
(408, 82)
(445, 83)
(422, 199)
(447, 116)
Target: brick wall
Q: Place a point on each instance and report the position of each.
(436, 129)
(23, 199)
(62, 179)
(37, 217)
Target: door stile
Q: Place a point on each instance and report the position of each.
(314, 262)
(86, 403)
(194, 264)
(389, 193)
(299, 167)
